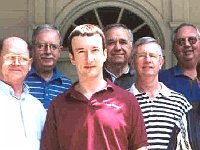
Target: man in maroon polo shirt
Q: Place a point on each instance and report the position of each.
(93, 114)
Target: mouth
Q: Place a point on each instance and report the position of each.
(117, 54)
(147, 67)
(15, 70)
(47, 57)
(187, 52)
(89, 67)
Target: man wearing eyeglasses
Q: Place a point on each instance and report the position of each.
(22, 115)
(162, 107)
(182, 77)
(44, 80)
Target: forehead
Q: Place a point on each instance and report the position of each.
(82, 42)
(186, 31)
(48, 35)
(151, 47)
(117, 33)
(15, 46)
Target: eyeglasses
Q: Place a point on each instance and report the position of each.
(182, 41)
(42, 46)
(145, 55)
(10, 58)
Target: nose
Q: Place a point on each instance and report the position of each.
(117, 45)
(16, 61)
(187, 43)
(47, 48)
(147, 58)
(90, 57)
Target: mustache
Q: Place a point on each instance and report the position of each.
(47, 56)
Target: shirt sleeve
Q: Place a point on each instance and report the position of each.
(49, 140)
(138, 137)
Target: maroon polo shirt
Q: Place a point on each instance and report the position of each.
(110, 120)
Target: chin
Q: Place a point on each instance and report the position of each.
(47, 68)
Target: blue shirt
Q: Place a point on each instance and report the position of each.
(46, 91)
(22, 120)
(175, 79)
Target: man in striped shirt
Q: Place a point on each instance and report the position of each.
(162, 107)
(44, 80)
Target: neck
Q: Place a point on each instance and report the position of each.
(45, 74)
(17, 87)
(189, 71)
(90, 86)
(117, 70)
(150, 87)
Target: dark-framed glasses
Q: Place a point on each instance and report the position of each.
(42, 46)
(191, 39)
(13, 58)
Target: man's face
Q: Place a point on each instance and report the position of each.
(147, 60)
(187, 45)
(46, 50)
(88, 55)
(14, 61)
(118, 45)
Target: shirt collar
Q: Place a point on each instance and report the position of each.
(8, 90)
(71, 91)
(127, 71)
(165, 91)
(177, 71)
(56, 74)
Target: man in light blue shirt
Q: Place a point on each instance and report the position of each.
(22, 115)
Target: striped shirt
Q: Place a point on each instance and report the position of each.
(161, 114)
(46, 91)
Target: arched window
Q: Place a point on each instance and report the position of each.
(108, 15)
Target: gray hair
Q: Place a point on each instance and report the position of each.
(45, 27)
(145, 40)
(119, 25)
(181, 26)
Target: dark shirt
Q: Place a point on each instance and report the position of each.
(193, 126)
(193, 118)
(110, 120)
(175, 79)
(125, 81)
(46, 91)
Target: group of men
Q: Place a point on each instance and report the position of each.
(139, 111)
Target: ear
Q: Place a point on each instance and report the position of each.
(30, 63)
(60, 50)
(105, 54)
(71, 57)
(161, 62)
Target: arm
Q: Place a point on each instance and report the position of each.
(49, 140)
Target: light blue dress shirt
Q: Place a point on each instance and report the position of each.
(22, 120)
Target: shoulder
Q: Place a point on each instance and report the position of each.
(175, 97)
(123, 95)
(167, 71)
(65, 79)
(33, 101)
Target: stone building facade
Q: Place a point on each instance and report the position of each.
(156, 18)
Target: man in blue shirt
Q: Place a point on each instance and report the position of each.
(44, 80)
(182, 77)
